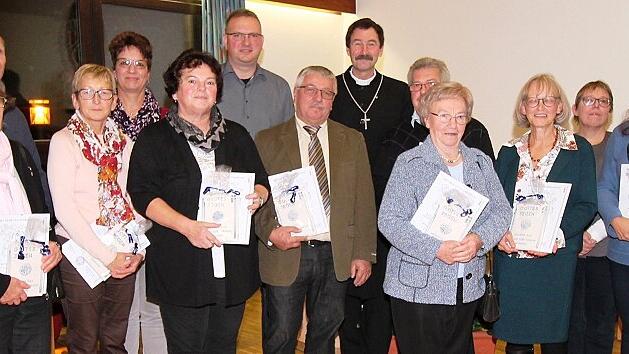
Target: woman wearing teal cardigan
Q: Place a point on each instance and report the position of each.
(536, 288)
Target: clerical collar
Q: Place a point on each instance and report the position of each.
(362, 82)
(415, 118)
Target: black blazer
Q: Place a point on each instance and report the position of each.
(29, 175)
(163, 166)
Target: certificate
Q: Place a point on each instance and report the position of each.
(23, 243)
(597, 230)
(125, 238)
(537, 216)
(91, 269)
(223, 201)
(298, 201)
(449, 209)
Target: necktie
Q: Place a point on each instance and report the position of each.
(315, 155)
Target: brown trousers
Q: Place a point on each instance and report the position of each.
(96, 315)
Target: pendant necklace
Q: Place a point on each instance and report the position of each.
(450, 161)
(364, 120)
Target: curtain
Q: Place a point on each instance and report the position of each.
(214, 14)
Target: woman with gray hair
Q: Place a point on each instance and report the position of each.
(435, 285)
(535, 287)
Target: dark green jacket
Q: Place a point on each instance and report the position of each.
(536, 294)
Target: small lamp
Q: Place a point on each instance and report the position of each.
(39, 111)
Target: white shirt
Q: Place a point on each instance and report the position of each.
(415, 118)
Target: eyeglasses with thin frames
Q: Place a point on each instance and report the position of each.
(127, 63)
(239, 36)
(590, 101)
(418, 85)
(89, 93)
(460, 119)
(548, 101)
(312, 91)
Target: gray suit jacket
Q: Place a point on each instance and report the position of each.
(352, 212)
(414, 273)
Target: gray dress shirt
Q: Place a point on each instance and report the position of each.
(264, 101)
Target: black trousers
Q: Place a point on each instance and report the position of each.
(367, 327)
(428, 328)
(593, 317)
(25, 328)
(282, 306)
(206, 329)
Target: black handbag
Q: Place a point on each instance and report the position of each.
(490, 306)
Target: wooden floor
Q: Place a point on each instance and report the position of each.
(250, 335)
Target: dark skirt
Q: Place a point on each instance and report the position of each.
(535, 297)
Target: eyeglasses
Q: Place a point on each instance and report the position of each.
(89, 93)
(446, 118)
(418, 85)
(548, 101)
(589, 101)
(312, 91)
(127, 63)
(239, 36)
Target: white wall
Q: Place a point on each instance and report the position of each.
(295, 37)
(491, 46)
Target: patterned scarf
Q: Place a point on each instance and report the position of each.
(148, 114)
(194, 135)
(114, 209)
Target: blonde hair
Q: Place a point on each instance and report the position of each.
(95, 71)
(544, 82)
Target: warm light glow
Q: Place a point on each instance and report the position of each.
(39, 112)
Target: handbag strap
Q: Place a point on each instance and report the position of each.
(490, 263)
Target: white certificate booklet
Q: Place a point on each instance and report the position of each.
(91, 269)
(298, 201)
(623, 193)
(125, 238)
(449, 209)
(222, 200)
(23, 243)
(597, 230)
(537, 217)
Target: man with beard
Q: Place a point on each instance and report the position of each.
(372, 104)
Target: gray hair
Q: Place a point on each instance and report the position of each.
(427, 62)
(315, 69)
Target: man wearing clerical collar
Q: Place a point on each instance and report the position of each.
(252, 96)
(372, 104)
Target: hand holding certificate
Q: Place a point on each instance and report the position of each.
(298, 201)
(537, 216)
(223, 201)
(449, 209)
(23, 243)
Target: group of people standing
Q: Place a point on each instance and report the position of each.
(377, 145)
